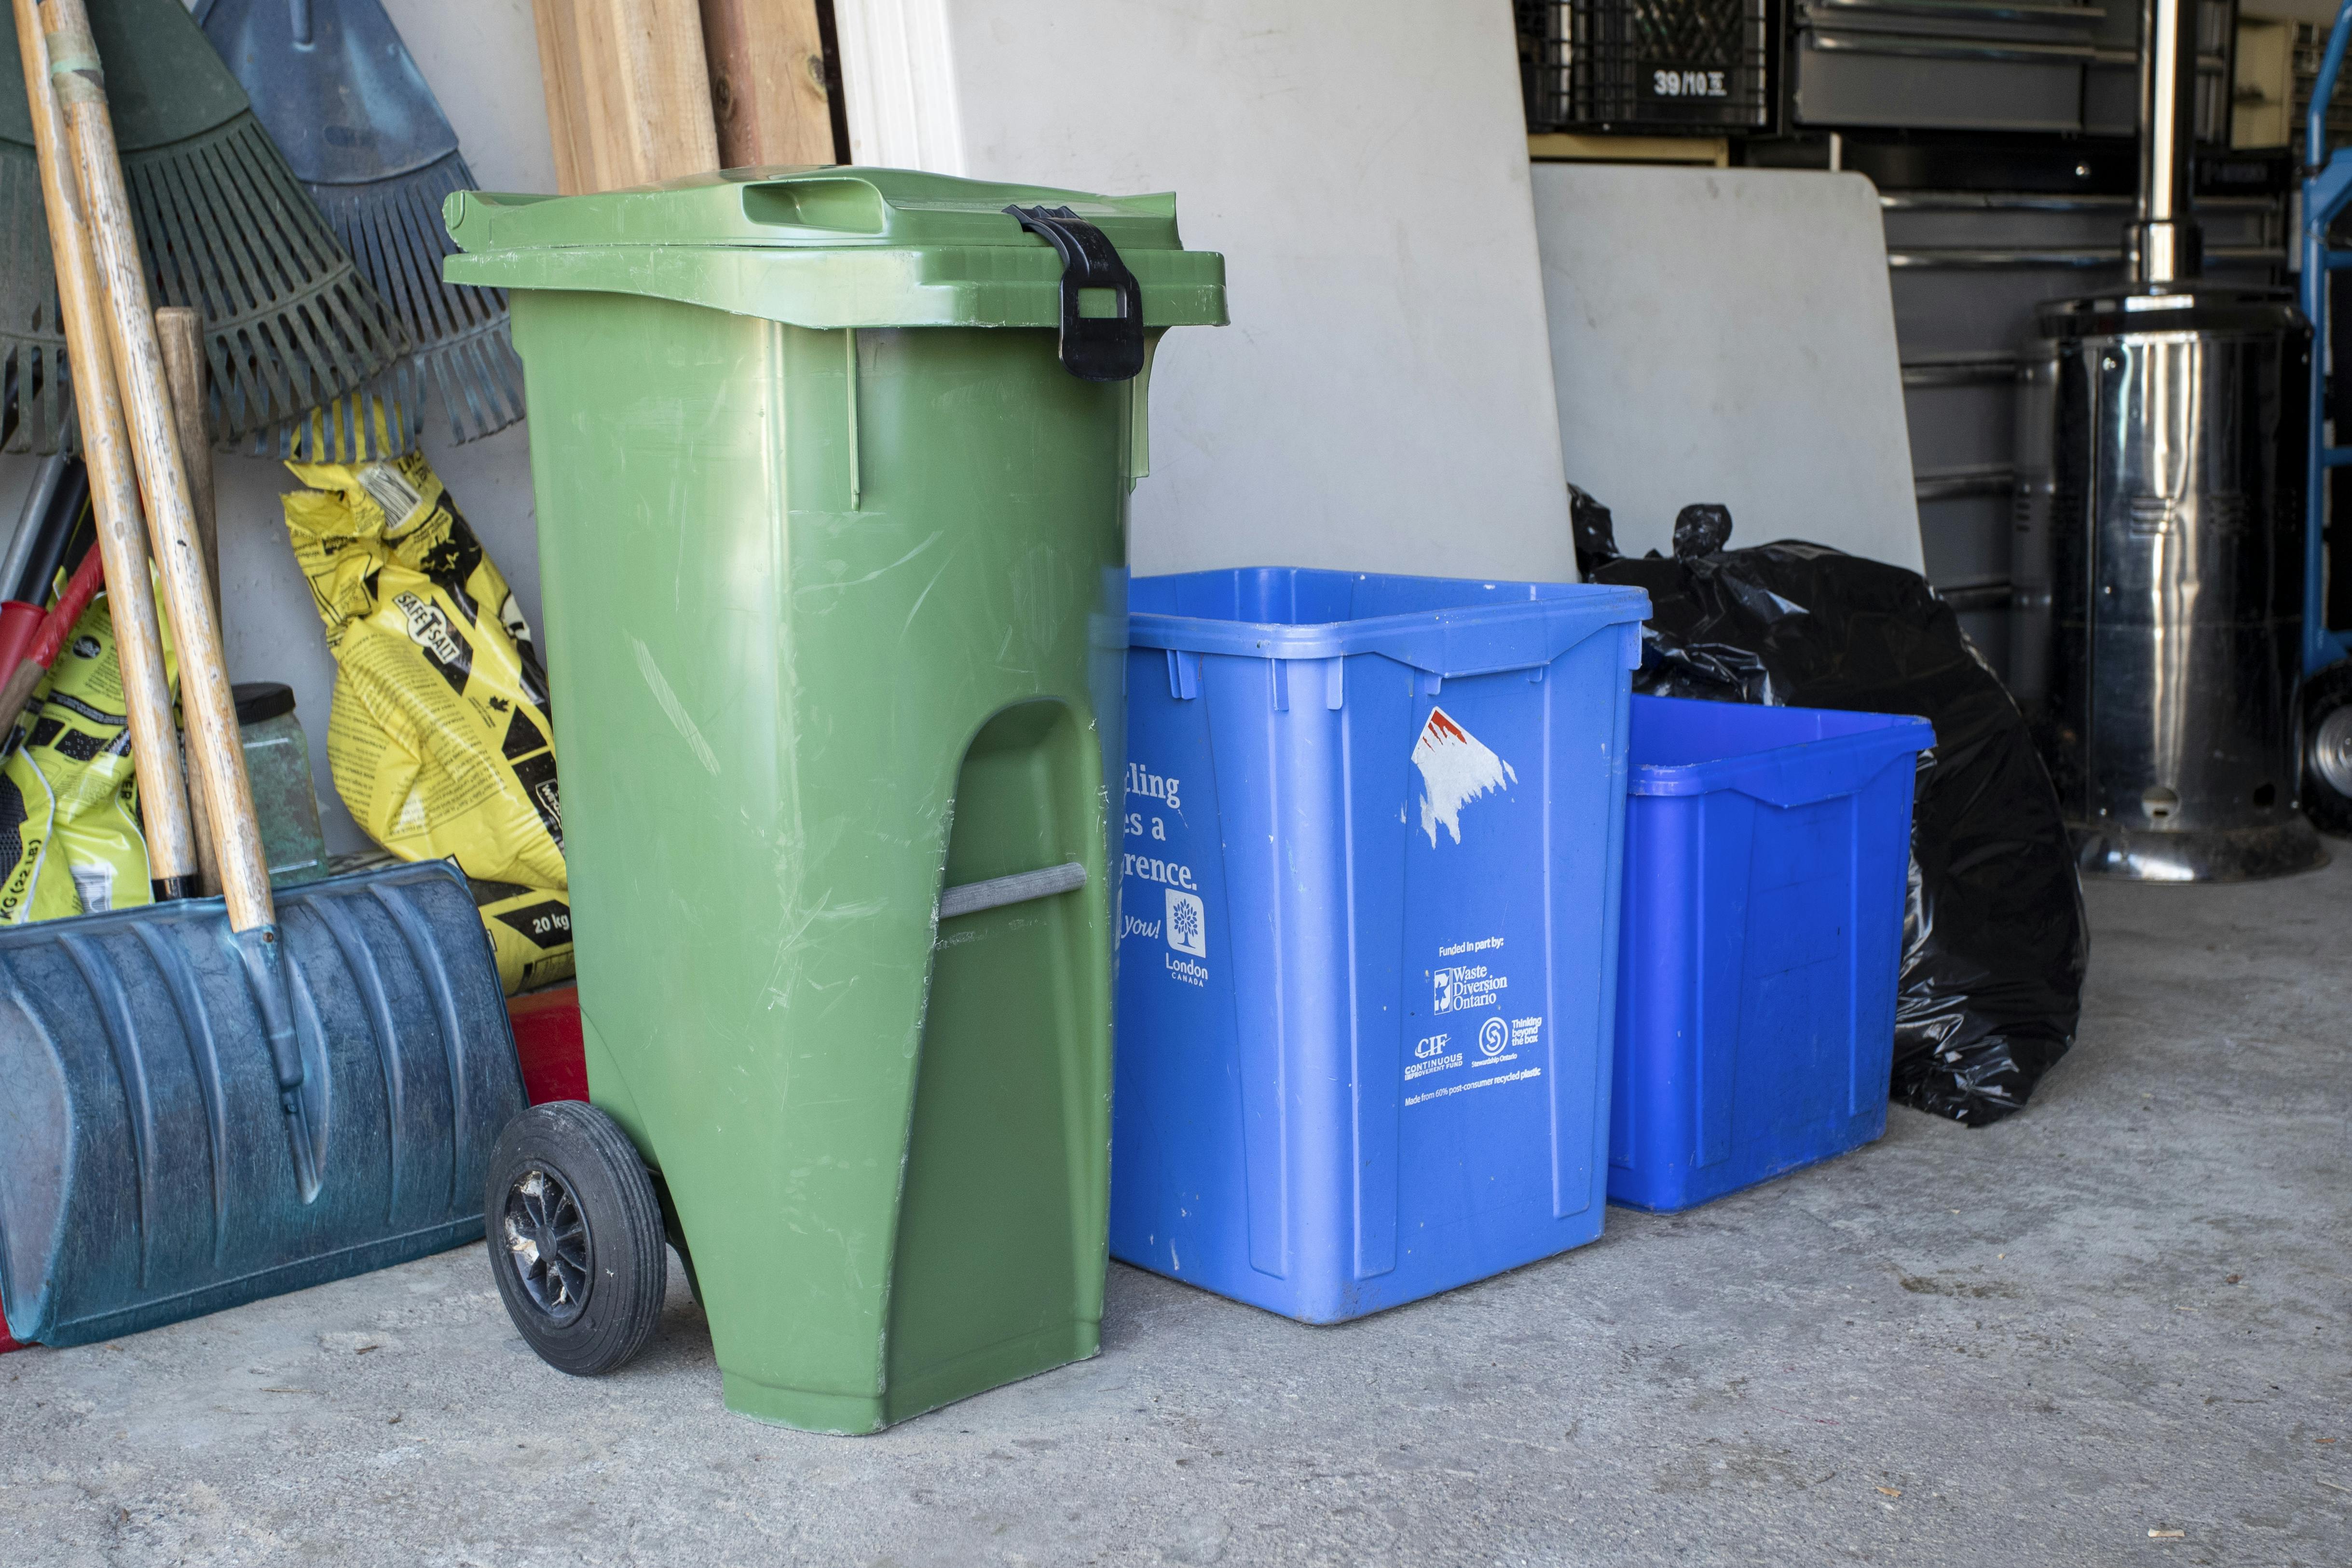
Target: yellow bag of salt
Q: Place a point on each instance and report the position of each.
(439, 739)
(70, 837)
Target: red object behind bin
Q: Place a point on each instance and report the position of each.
(18, 623)
(547, 1041)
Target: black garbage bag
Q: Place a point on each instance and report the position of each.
(1995, 940)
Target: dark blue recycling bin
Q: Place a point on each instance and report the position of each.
(1767, 859)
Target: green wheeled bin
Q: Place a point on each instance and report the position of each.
(831, 469)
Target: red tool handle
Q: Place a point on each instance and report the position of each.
(18, 689)
(19, 623)
(81, 589)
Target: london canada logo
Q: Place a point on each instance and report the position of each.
(1188, 924)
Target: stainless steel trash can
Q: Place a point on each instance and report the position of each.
(2161, 576)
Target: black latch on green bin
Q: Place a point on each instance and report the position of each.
(1094, 348)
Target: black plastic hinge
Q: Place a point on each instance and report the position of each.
(1094, 348)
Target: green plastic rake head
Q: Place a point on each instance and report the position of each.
(335, 87)
(226, 228)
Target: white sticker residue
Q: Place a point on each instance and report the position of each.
(389, 488)
(1456, 767)
(94, 886)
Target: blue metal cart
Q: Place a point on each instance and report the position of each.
(2327, 650)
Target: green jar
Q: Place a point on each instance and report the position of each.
(285, 802)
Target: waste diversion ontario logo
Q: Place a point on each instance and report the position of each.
(1188, 924)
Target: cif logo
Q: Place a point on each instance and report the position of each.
(1493, 1035)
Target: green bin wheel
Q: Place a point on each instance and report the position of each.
(575, 1237)
(2327, 749)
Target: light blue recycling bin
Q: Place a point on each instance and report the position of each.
(1368, 949)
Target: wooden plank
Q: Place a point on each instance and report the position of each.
(1571, 148)
(767, 83)
(558, 76)
(628, 93)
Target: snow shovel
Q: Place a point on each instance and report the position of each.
(207, 1101)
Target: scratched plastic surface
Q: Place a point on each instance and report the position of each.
(147, 1176)
(1368, 945)
(1766, 851)
(832, 549)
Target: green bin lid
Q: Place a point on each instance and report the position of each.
(829, 247)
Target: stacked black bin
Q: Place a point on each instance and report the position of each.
(1648, 66)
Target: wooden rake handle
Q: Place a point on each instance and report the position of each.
(75, 86)
(179, 330)
(205, 695)
(114, 488)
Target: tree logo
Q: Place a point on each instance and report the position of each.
(1188, 924)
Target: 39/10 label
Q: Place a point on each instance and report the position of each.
(1678, 82)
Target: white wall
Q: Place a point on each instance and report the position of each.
(482, 60)
(1383, 398)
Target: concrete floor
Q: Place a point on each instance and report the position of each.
(2061, 1340)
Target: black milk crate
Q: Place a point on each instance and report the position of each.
(1663, 66)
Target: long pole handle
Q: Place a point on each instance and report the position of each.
(80, 83)
(114, 494)
(205, 695)
(180, 331)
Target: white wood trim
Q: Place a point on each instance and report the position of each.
(898, 69)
